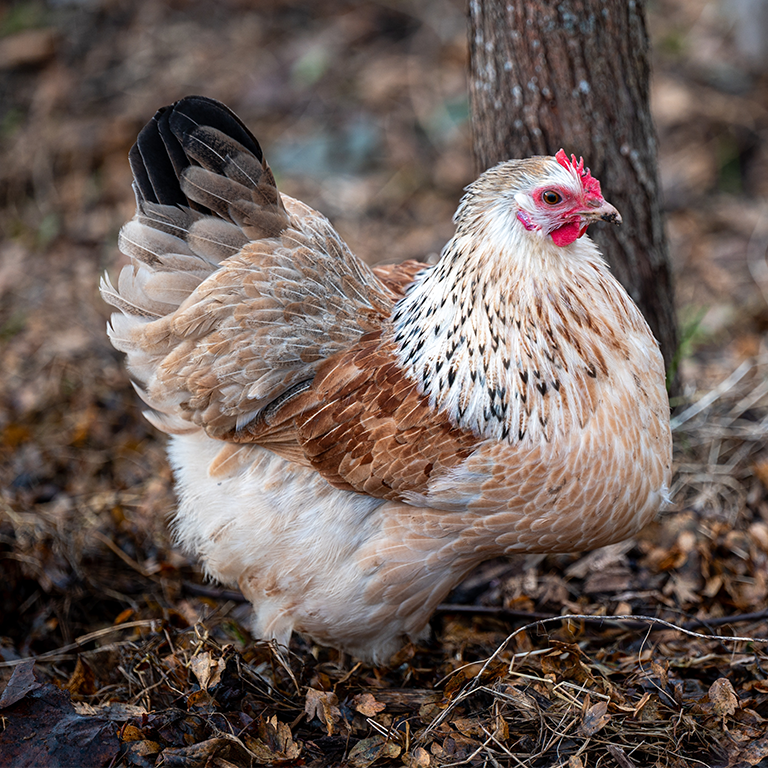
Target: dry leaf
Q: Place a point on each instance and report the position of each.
(216, 751)
(42, 727)
(501, 731)
(724, 699)
(660, 672)
(123, 616)
(620, 756)
(419, 758)
(207, 671)
(524, 703)
(754, 752)
(758, 532)
(201, 701)
(130, 733)
(323, 706)
(367, 705)
(760, 469)
(595, 718)
(275, 743)
(468, 726)
(367, 751)
(82, 682)
(137, 752)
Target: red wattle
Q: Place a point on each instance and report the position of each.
(566, 234)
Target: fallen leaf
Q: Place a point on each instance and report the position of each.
(419, 758)
(206, 670)
(660, 672)
(42, 727)
(366, 704)
(21, 683)
(524, 703)
(114, 710)
(82, 681)
(758, 532)
(596, 717)
(201, 701)
(760, 470)
(724, 699)
(367, 751)
(322, 704)
(755, 752)
(620, 756)
(468, 726)
(209, 752)
(275, 743)
(136, 752)
(123, 616)
(131, 733)
(484, 673)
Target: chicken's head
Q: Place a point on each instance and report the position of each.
(550, 196)
(565, 202)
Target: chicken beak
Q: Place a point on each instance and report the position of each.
(604, 212)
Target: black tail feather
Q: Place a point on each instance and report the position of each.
(159, 156)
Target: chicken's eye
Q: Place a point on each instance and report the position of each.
(550, 197)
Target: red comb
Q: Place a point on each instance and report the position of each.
(588, 182)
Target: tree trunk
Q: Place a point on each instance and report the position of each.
(574, 74)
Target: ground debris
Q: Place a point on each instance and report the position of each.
(573, 702)
(43, 728)
(110, 638)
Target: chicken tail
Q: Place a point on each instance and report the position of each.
(234, 294)
(198, 154)
(199, 176)
(203, 190)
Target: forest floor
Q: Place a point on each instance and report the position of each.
(362, 110)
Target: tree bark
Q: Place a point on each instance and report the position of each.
(575, 74)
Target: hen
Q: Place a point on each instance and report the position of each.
(349, 442)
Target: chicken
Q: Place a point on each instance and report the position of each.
(348, 442)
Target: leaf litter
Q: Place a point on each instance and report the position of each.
(113, 649)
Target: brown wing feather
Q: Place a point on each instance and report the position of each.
(364, 426)
(372, 431)
(397, 277)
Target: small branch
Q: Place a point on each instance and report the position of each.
(217, 593)
(640, 621)
(81, 641)
(127, 559)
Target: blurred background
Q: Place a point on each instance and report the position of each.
(362, 110)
